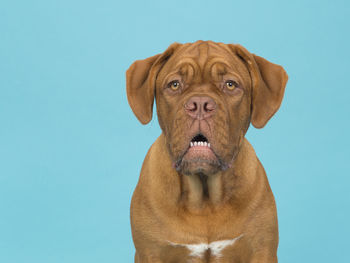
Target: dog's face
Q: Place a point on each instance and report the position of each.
(203, 104)
(207, 94)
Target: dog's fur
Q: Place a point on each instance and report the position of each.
(215, 206)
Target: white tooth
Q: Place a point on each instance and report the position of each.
(195, 143)
(202, 144)
(209, 145)
(205, 144)
(191, 144)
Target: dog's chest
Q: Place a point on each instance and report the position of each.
(206, 252)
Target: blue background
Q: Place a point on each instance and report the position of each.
(71, 149)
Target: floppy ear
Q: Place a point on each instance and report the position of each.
(140, 83)
(268, 84)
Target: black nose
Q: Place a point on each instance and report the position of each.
(200, 107)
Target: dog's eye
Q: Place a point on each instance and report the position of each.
(231, 84)
(174, 85)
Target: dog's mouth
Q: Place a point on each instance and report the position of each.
(199, 141)
(200, 148)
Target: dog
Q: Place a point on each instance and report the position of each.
(203, 195)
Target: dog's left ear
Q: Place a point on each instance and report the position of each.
(140, 83)
(268, 83)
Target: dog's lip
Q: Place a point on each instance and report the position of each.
(200, 151)
(224, 166)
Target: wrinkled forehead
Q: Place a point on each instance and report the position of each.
(204, 60)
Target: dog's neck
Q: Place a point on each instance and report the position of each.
(200, 189)
(199, 192)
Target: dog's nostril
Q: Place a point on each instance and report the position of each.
(205, 106)
(209, 106)
(191, 106)
(195, 107)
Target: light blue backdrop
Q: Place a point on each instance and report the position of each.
(71, 149)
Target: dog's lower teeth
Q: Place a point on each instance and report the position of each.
(206, 144)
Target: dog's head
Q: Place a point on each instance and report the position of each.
(207, 94)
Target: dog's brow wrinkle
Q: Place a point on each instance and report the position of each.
(215, 66)
(203, 54)
(188, 71)
(188, 61)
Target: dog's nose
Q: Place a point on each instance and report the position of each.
(200, 107)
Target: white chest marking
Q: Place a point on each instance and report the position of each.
(197, 250)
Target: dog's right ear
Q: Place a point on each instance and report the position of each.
(140, 83)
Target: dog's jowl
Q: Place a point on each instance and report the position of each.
(203, 195)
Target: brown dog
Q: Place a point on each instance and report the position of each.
(203, 195)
